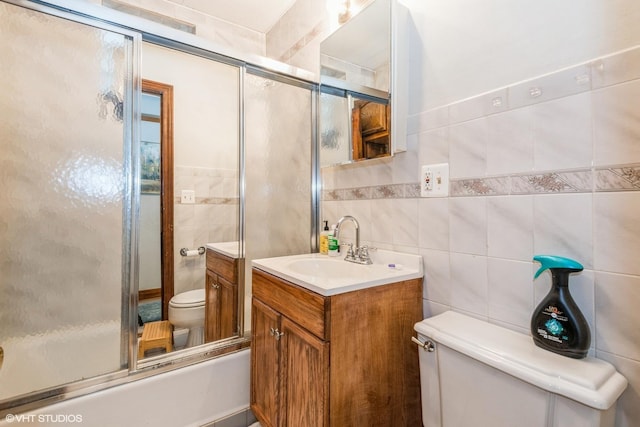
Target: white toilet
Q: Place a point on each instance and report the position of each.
(476, 374)
(186, 310)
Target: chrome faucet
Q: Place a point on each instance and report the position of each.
(360, 254)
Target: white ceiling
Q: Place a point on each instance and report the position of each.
(258, 15)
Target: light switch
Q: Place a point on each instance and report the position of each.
(188, 197)
(434, 180)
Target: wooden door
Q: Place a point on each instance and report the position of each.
(228, 319)
(265, 364)
(304, 401)
(212, 307)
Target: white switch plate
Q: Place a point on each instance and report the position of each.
(434, 180)
(188, 197)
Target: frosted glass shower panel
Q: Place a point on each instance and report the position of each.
(335, 126)
(63, 174)
(278, 167)
(278, 171)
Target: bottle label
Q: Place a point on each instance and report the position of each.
(552, 325)
(324, 244)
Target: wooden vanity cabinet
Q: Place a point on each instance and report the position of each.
(221, 317)
(341, 360)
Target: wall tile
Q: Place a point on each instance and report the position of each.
(481, 186)
(617, 232)
(478, 106)
(428, 120)
(469, 283)
(437, 277)
(563, 226)
(433, 223)
(405, 222)
(510, 292)
(431, 308)
(552, 86)
(616, 119)
(562, 133)
(617, 68)
(510, 142)
(617, 298)
(405, 165)
(617, 178)
(468, 225)
(382, 218)
(468, 149)
(554, 182)
(433, 147)
(510, 227)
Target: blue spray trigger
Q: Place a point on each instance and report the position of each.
(552, 261)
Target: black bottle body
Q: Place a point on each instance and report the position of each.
(557, 323)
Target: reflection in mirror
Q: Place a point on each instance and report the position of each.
(199, 242)
(155, 277)
(370, 128)
(358, 53)
(335, 127)
(365, 59)
(353, 127)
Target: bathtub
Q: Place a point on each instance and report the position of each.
(36, 362)
(190, 396)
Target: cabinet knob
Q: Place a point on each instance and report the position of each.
(276, 333)
(215, 285)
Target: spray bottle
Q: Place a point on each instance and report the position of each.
(557, 324)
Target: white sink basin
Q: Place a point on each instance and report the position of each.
(333, 275)
(329, 268)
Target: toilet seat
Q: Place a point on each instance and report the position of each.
(189, 299)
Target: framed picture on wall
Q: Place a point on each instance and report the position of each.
(150, 167)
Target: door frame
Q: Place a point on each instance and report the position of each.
(165, 92)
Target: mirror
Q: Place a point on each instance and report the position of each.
(189, 208)
(363, 86)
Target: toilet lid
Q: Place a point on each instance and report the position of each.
(188, 299)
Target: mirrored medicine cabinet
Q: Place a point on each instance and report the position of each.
(364, 86)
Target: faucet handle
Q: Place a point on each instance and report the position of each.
(350, 253)
(363, 254)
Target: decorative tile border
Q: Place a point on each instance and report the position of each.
(390, 191)
(210, 201)
(616, 178)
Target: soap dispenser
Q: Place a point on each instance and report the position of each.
(334, 245)
(557, 324)
(324, 239)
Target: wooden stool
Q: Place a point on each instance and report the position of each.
(155, 335)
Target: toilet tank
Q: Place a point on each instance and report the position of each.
(476, 374)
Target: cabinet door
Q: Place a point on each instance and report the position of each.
(305, 377)
(228, 308)
(212, 314)
(265, 362)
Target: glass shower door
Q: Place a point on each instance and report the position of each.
(65, 205)
(279, 160)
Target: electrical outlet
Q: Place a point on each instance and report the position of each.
(188, 197)
(434, 180)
